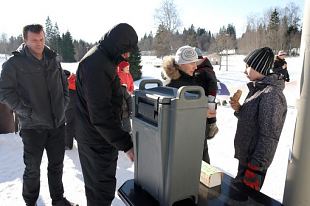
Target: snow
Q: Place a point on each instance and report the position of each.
(221, 147)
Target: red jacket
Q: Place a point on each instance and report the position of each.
(126, 78)
(71, 81)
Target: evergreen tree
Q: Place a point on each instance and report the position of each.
(162, 43)
(67, 48)
(273, 28)
(52, 35)
(135, 67)
(48, 30)
(274, 21)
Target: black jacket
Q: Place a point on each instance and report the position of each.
(277, 68)
(205, 77)
(36, 90)
(127, 103)
(99, 97)
(183, 80)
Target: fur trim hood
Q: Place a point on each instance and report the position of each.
(171, 69)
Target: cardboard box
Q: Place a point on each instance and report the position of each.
(210, 176)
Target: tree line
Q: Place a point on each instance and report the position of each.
(278, 28)
(69, 49)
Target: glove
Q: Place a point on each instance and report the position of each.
(212, 130)
(252, 177)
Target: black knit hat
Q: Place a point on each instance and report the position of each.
(261, 60)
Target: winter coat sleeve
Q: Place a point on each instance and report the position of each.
(98, 94)
(65, 86)
(128, 99)
(131, 85)
(271, 117)
(212, 82)
(8, 91)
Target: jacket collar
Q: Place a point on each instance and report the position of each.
(272, 80)
(24, 51)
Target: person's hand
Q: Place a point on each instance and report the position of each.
(131, 154)
(235, 104)
(284, 66)
(211, 113)
(252, 176)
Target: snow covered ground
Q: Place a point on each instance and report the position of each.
(221, 147)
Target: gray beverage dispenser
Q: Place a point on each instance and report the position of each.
(168, 137)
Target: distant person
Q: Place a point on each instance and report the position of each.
(280, 65)
(99, 102)
(206, 78)
(180, 70)
(125, 76)
(260, 119)
(33, 85)
(70, 112)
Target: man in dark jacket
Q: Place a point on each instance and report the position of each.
(98, 122)
(33, 85)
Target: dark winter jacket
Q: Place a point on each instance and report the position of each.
(183, 80)
(127, 103)
(36, 90)
(260, 121)
(99, 95)
(277, 68)
(205, 77)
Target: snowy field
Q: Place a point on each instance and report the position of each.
(221, 147)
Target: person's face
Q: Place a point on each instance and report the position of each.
(282, 56)
(35, 42)
(189, 68)
(252, 74)
(126, 69)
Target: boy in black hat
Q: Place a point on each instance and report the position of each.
(260, 118)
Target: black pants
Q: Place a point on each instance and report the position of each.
(70, 127)
(35, 141)
(205, 156)
(99, 167)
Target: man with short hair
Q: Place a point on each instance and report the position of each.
(33, 85)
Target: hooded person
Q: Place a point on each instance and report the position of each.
(260, 118)
(180, 71)
(99, 101)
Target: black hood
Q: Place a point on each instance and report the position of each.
(120, 39)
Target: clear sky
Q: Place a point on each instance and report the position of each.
(91, 19)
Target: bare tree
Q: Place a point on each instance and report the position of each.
(167, 16)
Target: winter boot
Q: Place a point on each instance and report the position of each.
(64, 202)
